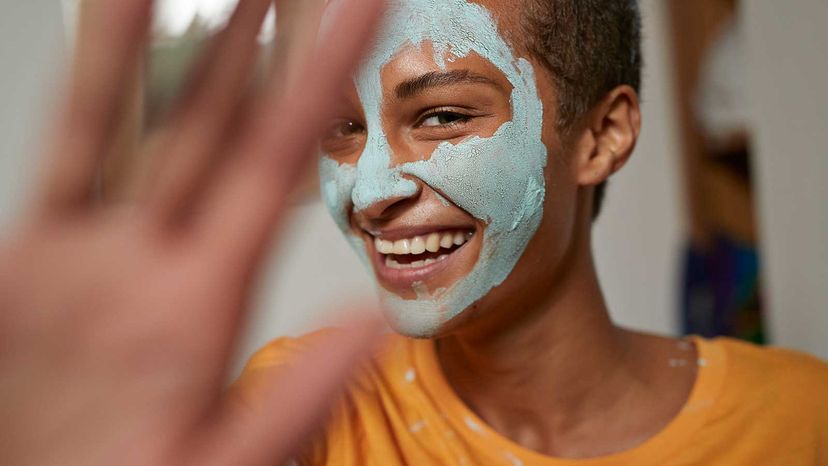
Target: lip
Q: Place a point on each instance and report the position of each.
(404, 279)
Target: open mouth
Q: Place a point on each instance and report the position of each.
(421, 251)
(401, 262)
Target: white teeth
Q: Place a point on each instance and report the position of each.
(392, 264)
(459, 239)
(433, 242)
(418, 245)
(383, 246)
(402, 246)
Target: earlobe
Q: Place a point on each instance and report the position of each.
(609, 136)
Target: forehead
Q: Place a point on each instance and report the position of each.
(452, 29)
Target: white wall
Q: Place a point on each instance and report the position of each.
(789, 74)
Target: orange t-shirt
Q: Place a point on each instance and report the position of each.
(749, 406)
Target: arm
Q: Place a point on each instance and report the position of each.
(118, 321)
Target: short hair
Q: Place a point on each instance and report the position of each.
(591, 47)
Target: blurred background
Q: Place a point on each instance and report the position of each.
(718, 226)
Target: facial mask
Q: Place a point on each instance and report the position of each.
(499, 179)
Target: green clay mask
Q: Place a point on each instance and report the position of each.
(497, 179)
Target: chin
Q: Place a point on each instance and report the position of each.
(419, 319)
(414, 318)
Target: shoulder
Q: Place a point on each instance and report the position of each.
(282, 351)
(774, 377)
(285, 350)
(249, 387)
(360, 409)
(777, 365)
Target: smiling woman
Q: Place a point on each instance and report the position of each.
(462, 119)
(449, 170)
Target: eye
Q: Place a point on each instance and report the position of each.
(343, 137)
(444, 118)
(345, 128)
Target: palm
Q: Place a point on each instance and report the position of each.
(118, 321)
(150, 314)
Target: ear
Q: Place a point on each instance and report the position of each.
(608, 136)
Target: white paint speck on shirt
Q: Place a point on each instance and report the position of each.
(417, 426)
(512, 458)
(473, 425)
(410, 375)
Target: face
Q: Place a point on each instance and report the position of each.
(438, 169)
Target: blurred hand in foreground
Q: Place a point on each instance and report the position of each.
(117, 322)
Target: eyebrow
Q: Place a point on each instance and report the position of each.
(412, 87)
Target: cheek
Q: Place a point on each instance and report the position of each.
(496, 180)
(563, 189)
(556, 231)
(337, 182)
(557, 208)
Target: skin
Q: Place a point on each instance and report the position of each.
(118, 322)
(538, 357)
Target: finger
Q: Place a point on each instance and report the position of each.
(298, 24)
(199, 125)
(108, 53)
(291, 405)
(248, 204)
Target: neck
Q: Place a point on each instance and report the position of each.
(559, 365)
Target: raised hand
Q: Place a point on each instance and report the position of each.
(117, 321)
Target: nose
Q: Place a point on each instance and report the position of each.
(379, 185)
(383, 206)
